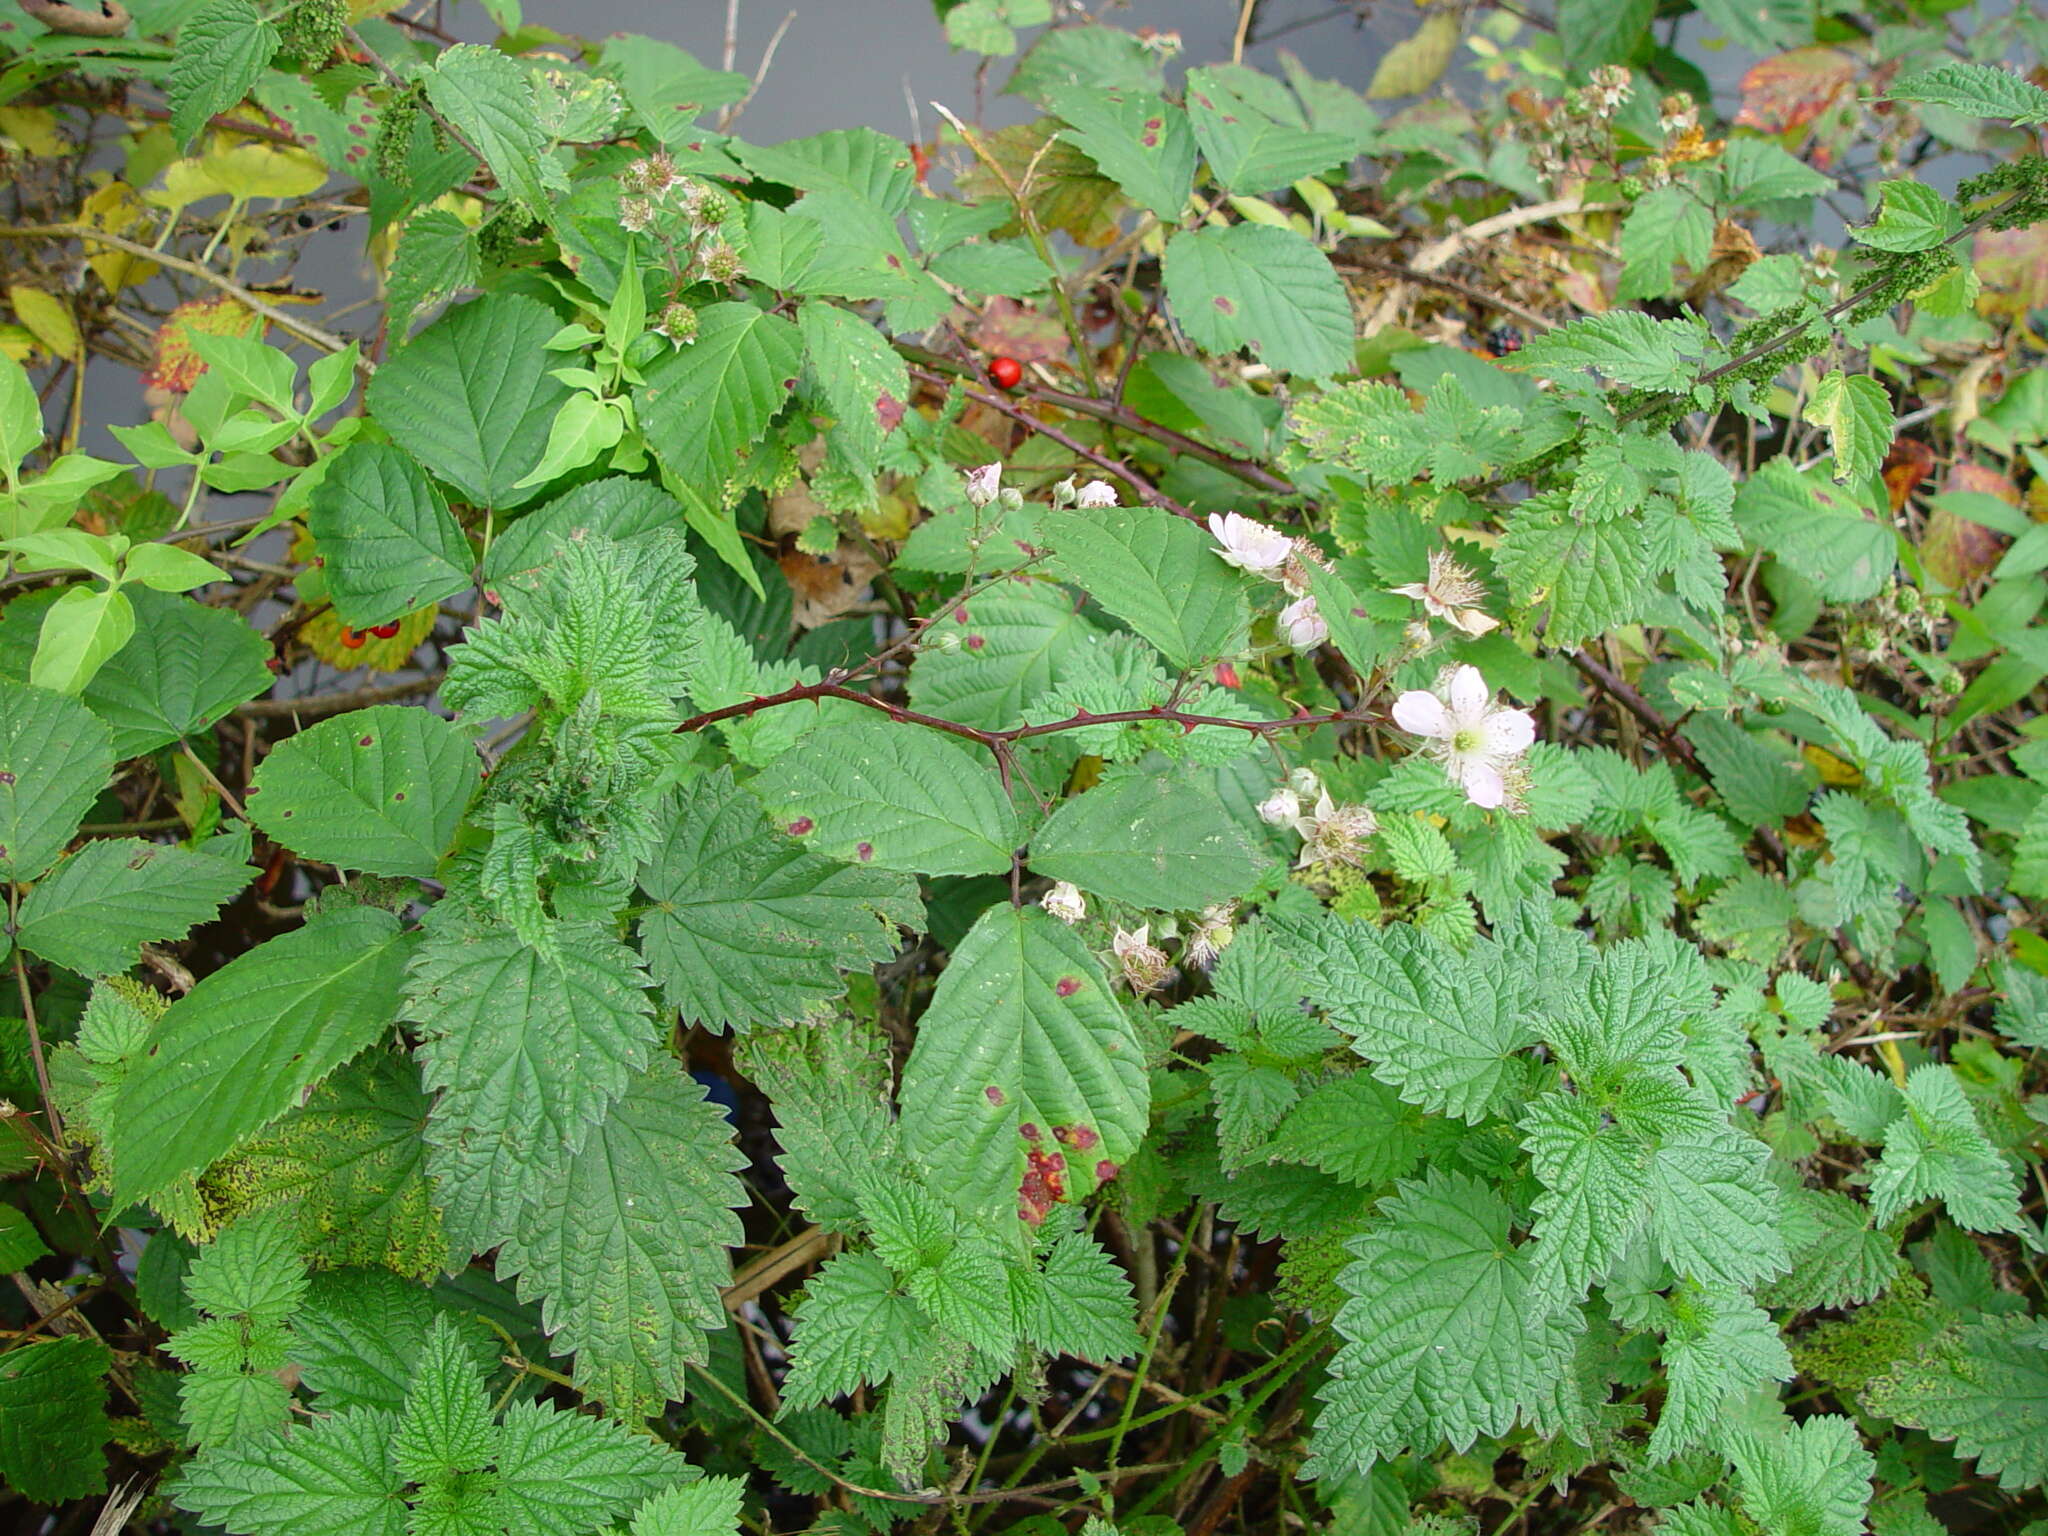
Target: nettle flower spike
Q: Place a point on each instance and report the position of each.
(1475, 739)
(1452, 593)
(1250, 546)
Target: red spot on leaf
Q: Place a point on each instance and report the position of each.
(1226, 675)
(800, 826)
(866, 852)
(888, 413)
(995, 1095)
(1081, 1138)
(1105, 1171)
(1043, 1186)
(976, 642)
(1028, 1131)
(1067, 986)
(364, 741)
(1225, 305)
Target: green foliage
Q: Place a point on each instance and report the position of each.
(1105, 860)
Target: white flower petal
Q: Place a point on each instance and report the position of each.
(1422, 713)
(1473, 622)
(1507, 733)
(1469, 694)
(1484, 786)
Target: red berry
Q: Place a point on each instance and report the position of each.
(1006, 371)
(351, 638)
(385, 631)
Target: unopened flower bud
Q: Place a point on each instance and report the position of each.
(1280, 807)
(983, 483)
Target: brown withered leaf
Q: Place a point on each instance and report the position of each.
(1734, 248)
(2013, 264)
(1065, 191)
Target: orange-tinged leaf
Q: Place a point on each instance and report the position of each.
(174, 365)
(1791, 89)
(1954, 549)
(1908, 463)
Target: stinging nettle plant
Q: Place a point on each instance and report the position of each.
(1266, 804)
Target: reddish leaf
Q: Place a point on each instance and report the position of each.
(1909, 462)
(1955, 550)
(1792, 89)
(2013, 264)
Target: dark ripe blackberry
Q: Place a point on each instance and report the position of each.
(1503, 339)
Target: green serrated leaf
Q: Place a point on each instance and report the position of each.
(1158, 573)
(488, 96)
(222, 52)
(907, 799)
(625, 1247)
(238, 1049)
(379, 790)
(93, 911)
(1270, 290)
(528, 1053)
(53, 1419)
(1153, 840)
(330, 1477)
(1138, 140)
(1858, 416)
(1022, 1032)
(748, 928)
(54, 761)
(185, 667)
(473, 396)
(1979, 90)
(705, 404)
(390, 544)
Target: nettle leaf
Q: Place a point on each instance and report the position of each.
(747, 927)
(330, 1477)
(1249, 150)
(350, 1165)
(1934, 1148)
(1152, 839)
(1439, 1026)
(186, 667)
(1626, 346)
(221, 54)
(55, 758)
(241, 1047)
(53, 1418)
(1858, 416)
(1983, 1386)
(1811, 1478)
(1591, 1204)
(704, 404)
(855, 1326)
(1979, 90)
(1444, 1340)
(625, 1247)
(1714, 1212)
(1158, 573)
(1027, 1077)
(1081, 1304)
(708, 1507)
(1251, 285)
(379, 790)
(473, 396)
(1137, 139)
(527, 1052)
(93, 912)
(1717, 1344)
(390, 544)
(870, 791)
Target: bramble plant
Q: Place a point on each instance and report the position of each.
(1255, 807)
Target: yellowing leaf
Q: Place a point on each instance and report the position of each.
(116, 208)
(48, 319)
(265, 170)
(1832, 769)
(1416, 63)
(34, 129)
